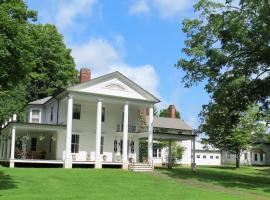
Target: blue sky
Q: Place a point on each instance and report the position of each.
(140, 38)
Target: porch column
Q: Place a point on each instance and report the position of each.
(8, 149)
(98, 163)
(125, 137)
(4, 148)
(193, 162)
(12, 147)
(68, 159)
(150, 137)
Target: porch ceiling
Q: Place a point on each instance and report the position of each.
(22, 127)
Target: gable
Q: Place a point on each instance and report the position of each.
(114, 84)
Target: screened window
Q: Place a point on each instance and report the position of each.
(103, 115)
(51, 114)
(76, 111)
(198, 156)
(255, 157)
(261, 157)
(33, 144)
(75, 144)
(35, 116)
(101, 145)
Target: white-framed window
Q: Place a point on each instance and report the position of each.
(246, 156)
(198, 156)
(217, 157)
(103, 114)
(204, 156)
(261, 157)
(156, 153)
(51, 114)
(75, 141)
(211, 157)
(115, 146)
(255, 157)
(132, 146)
(76, 111)
(35, 116)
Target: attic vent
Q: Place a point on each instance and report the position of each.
(115, 86)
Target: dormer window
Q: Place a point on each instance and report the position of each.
(35, 116)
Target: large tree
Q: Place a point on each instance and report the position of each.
(16, 57)
(34, 61)
(165, 113)
(228, 47)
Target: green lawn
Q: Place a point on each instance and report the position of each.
(206, 183)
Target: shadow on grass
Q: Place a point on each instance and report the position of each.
(6, 182)
(228, 177)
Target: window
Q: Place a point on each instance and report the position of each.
(217, 157)
(246, 156)
(228, 155)
(204, 156)
(33, 144)
(132, 146)
(75, 144)
(211, 157)
(76, 111)
(103, 115)
(159, 153)
(255, 157)
(101, 145)
(261, 157)
(121, 146)
(198, 156)
(115, 146)
(51, 114)
(35, 116)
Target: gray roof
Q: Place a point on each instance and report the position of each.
(171, 123)
(40, 101)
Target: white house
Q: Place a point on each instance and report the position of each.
(97, 122)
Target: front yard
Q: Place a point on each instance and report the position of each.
(181, 183)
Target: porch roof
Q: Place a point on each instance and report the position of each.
(33, 126)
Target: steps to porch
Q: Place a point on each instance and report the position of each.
(140, 167)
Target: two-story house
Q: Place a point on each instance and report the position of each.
(98, 122)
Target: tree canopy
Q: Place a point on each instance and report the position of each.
(34, 61)
(165, 113)
(228, 48)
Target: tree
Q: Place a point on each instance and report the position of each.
(54, 67)
(228, 47)
(16, 58)
(223, 135)
(165, 113)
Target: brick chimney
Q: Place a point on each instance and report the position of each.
(85, 75)
(172, 111)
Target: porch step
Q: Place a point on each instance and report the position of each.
(140, 167)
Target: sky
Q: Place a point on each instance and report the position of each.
(140, 38)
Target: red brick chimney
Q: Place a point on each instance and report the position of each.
(85, 75)
(172, 111)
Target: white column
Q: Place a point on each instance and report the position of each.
(150, 136)
(4, 148)
(193, 162)
(12, 146)
(125, 137)
(170, 155)
(68, 160)
(98, 163)
(8, 149)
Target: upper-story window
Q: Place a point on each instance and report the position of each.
(76, 111)
(51, 114)
(103, 115)
(35, 116)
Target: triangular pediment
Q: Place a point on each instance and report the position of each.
(114, 84)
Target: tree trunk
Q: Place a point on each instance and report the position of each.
(237, 159)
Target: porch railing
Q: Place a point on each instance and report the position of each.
(131, 128)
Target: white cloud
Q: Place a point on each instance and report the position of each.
(102, 57)
(165, 8)
(139, 7)
(68, 11)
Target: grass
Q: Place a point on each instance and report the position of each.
(180, 183)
